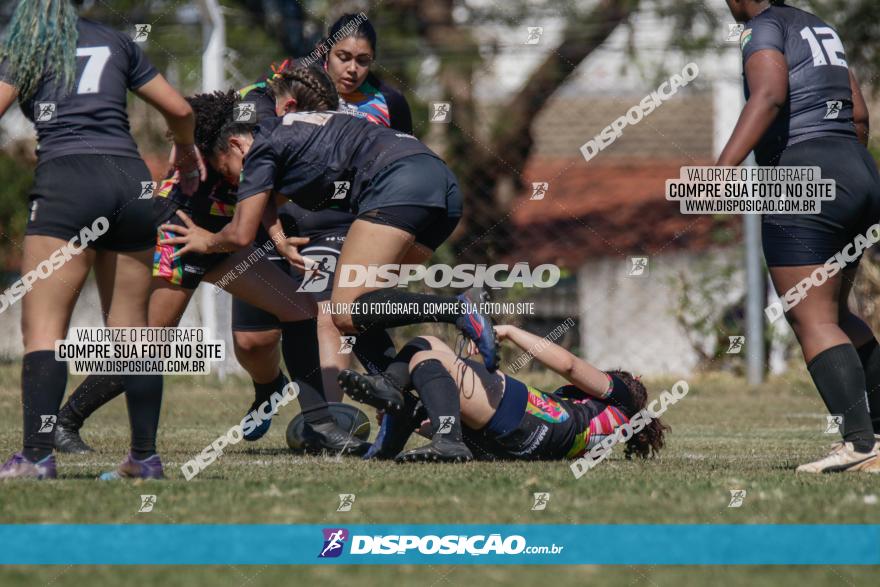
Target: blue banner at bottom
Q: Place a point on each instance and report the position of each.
(169, 544)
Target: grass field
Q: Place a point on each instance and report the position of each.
(724, 436)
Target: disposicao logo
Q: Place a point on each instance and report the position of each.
(334, 541)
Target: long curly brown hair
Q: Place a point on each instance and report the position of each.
(652, 438)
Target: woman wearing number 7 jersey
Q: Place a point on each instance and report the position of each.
(71, 77)
(805, 109)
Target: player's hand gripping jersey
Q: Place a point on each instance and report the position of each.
(92, 118)
(211, 207)
(324, 159)
(820, 101)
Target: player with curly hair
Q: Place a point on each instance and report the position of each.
(489, 416)
(406, 200)
(263, 285)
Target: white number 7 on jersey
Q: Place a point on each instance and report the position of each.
(90, 82)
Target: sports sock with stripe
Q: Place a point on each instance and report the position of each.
(870, 357)
(143, 395)
(840, 379)
(299, 347)
(439, 394)
(43, 380)
(92, 393)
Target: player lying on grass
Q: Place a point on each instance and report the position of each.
(489, 416)
(406, 200)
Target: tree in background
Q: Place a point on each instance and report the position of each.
(428, 48)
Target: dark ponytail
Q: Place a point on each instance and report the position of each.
(310, 86)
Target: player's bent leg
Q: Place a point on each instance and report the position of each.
(834, 366)
(167, 303)
(440, 393)
(371, 243)
(266, 286)
(259, 353)
(129, 272)
(332, 360)
(389, 391)
(45, 316)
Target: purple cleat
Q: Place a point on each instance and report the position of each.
(478, 327)
(19, 467)
(131, 468)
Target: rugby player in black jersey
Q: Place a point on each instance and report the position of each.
(261, 284)
(406, 201)
(256, 332)
(805, 108)
(71, 77)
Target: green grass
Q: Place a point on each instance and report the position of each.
(724, 436)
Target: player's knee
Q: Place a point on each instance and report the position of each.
(344, 323)
(422, 356)
(436, 343)
(248, 344)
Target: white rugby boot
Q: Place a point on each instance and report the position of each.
(843, 458)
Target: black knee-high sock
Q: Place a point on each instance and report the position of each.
(439, 394)
(422, 308)
(374, 349)
(143, 394)
(398, 370)
(870, 356)
(263, 391)
(838, 374)
(92, 393)
(299, 346)
(43, 380)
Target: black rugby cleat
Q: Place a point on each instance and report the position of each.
(439, 450)
(396, 429)
(68, 440)
(374, 390)
(330, 437)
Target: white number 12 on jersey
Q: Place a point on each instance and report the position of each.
(832, 45)
(90, 82)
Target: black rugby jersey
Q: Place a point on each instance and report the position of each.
(92, 118)
(820, 101)
(319, 159)
(297, 221)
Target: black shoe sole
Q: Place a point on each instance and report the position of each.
(420, 455)
(426, 457)
(360, 389)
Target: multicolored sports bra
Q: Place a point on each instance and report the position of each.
(593, 417)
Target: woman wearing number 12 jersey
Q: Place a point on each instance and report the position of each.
(805, 109)
(71, 77)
